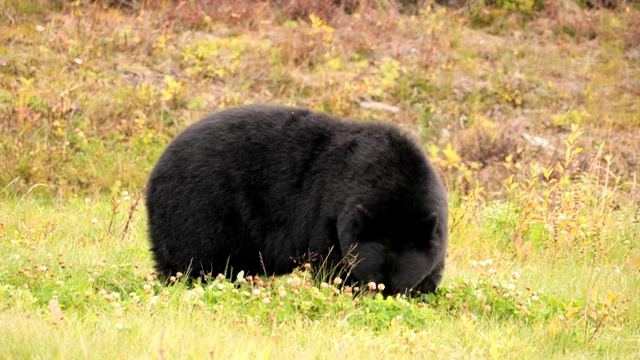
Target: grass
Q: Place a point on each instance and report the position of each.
(531, 119)
(74, 282)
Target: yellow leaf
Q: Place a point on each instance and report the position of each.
(451, 155)
(554, 327)
(634, 259)
(611, 297)
(315, 21)
(510, 180)
(433, 151)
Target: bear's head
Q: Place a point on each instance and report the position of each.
(398, 246)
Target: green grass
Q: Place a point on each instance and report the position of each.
(76, 251)
(544, 254)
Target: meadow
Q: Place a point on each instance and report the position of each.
(529, 110)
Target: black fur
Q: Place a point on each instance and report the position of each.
(253, 187)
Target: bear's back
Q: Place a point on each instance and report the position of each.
(289, 143)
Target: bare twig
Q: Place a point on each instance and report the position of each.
(132, 209)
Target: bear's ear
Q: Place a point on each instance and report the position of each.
(363, 216)
(429, 224)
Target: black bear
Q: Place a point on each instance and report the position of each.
(253, 187)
